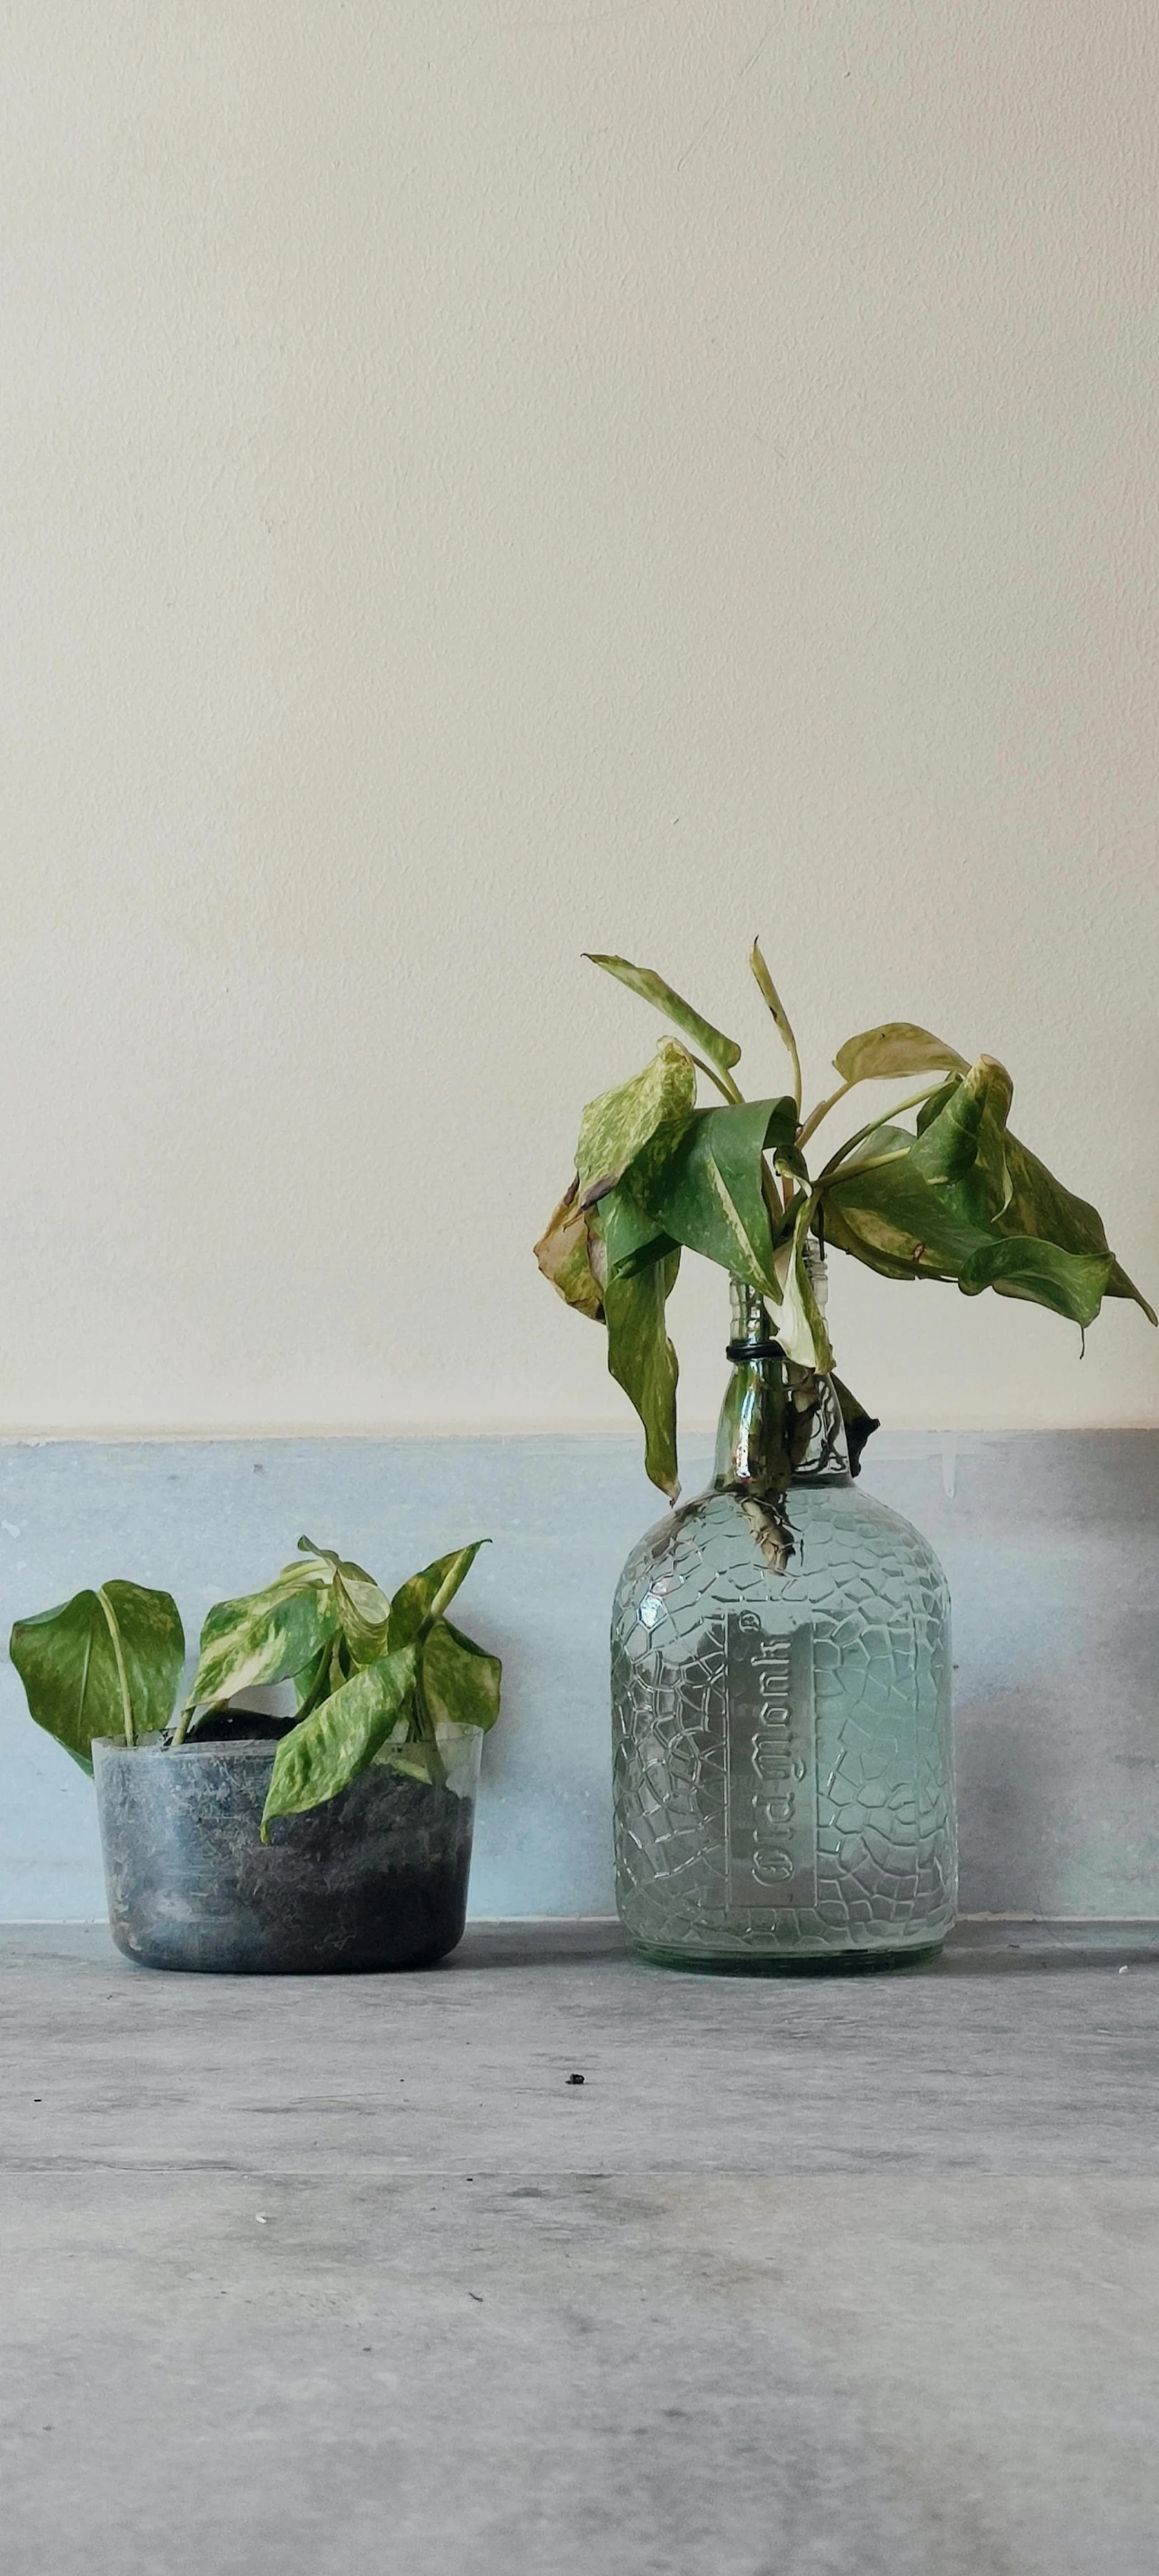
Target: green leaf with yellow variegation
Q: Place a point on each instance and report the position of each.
(640, 1355)
(709, 1041)
(327, 1751)
(461, 1682)
(265, 1637)
(426, 1596)
(1072, 1284)
(703, 1182)
(615, 1126)
(108, 1662)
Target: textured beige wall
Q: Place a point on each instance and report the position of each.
(489, 478)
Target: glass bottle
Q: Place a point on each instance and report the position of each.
(781, 1686)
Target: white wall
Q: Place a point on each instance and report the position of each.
(489, 478)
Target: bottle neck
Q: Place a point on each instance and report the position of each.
(780, 1424)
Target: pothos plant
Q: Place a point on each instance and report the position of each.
(954, 1197)
(374, 1676)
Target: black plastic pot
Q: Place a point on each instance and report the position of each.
(375, 1879)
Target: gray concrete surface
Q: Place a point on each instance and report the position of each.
(854, 2276)
(1050, 1540)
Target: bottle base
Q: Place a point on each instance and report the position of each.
(790, 1963)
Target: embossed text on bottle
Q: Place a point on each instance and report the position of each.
(772, 1770)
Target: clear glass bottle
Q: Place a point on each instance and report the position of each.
(781, 1685)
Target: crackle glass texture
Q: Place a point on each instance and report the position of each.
(783, 1750)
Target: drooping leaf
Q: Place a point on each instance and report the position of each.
(1022, 1265)
(881, 1207)
(702, 1180)
(628, 1239)
(800, 1324)
(362, 1607)
(641, 1357)
(614, 1127)
(363, 1614)
(564, 1256)
(69, 1663)
(415, 1600)
(933, 1105)
(890, 1208)
(721, 1051)
(771, 997)
(1019, 1195)
(859, 1425)
(1039, 1205)
(897, 1047)
(461, 1682)
(968, 1136)
(266, 1636)
(323, 1754)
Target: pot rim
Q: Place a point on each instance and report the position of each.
(250, 1748)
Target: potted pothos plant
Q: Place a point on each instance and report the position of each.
(333, 1836)
(780, 1664)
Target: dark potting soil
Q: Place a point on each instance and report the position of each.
(240, 1726)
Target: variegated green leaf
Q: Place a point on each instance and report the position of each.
(640, 1355)
(704, 1183)
(461, 1683)
(108, 1662)
(326, 1752)
(968, 1136)
(1039, 1205)
(427, 1595)
(614, 1127)
(721, 1051)
(897, 1047)
(1020, 1265)
(265, 1636)
(627, 1240)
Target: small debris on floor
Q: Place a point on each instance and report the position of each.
(575, 2079)
(477, 2296)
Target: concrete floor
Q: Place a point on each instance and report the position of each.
(843, 2277)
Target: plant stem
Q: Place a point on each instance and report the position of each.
(791, 1043)
(122, 1676)
(427, 1729)
(813, 1121)
(724, 1081)
(852, 1142)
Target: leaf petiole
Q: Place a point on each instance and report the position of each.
(812, 1122)
(871, 1128)
(724, 1081)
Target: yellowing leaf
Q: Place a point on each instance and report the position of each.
(897, 1047)
(773, 1002)
(564, 1256)
(615, 1126)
